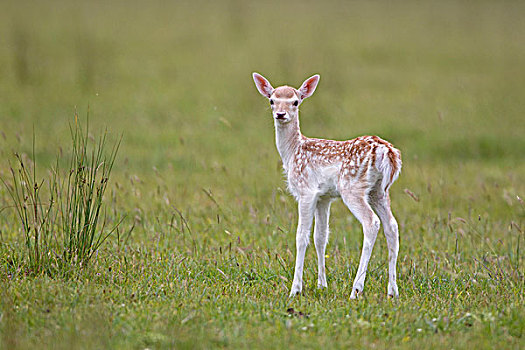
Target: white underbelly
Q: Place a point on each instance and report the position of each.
(322, 182)
(328, 189)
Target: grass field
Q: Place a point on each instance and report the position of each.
(209, 262)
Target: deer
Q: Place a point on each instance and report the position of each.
(360, 171)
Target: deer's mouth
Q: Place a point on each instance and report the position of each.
(280, 115)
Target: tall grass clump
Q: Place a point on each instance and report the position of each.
(62, 217)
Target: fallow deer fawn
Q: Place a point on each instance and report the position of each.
(360, 171)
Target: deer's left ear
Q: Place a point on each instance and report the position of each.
(308, 87)
(263, 85)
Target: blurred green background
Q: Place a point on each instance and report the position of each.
(442, 80)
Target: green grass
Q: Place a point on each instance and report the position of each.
(62, 216)
(210, 259)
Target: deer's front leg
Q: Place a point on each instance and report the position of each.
(306, 214)
(322, 214)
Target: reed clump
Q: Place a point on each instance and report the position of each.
(62, 217)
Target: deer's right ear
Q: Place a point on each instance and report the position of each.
(263, 85)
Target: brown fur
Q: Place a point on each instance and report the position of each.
(284, 92)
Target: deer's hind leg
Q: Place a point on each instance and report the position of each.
(357, 202)
(380, 201)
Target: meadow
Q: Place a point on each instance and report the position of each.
(204, 254)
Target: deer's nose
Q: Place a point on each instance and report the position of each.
(280, 115)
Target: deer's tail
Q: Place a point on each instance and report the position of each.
(388, 162)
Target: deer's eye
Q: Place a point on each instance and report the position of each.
(271, 102)
(295, 103)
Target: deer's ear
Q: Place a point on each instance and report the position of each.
(263, 85)
(308, 87)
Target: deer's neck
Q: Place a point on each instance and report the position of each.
(287, 137)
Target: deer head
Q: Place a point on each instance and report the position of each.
(285, 100)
